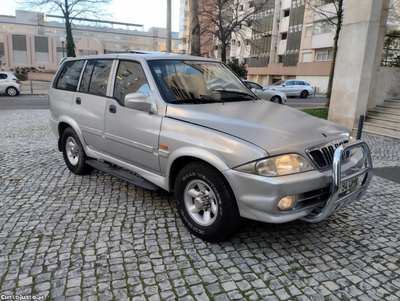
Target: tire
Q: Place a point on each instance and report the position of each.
(12, 91)
(73, 153)
(276, 99)
(304, 94)
(214, 215)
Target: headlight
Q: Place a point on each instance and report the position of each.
(353, 138)
(277, 166)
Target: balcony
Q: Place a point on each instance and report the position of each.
(284, 25)
(282, 47)
(324, 40)
(286, 4)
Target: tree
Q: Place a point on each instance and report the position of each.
(168, 26)
(331, 12)
(70, 9)
(222, 18)
(239, 69)
(194, 29)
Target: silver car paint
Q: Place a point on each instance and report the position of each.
(224, 135)
(8, 82)
(275, 128)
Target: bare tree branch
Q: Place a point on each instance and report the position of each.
(70, 9)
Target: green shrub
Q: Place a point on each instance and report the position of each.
(21, 76)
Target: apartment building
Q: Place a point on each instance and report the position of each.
(286, 39)
(34, 39)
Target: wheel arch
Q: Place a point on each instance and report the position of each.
(65, 122)
(179, 161)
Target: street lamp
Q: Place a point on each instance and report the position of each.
(62, 40)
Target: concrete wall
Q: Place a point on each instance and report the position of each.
(388, 85)
(44, 77)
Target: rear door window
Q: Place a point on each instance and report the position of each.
(100, 77)
(69, 76)
(3, 76)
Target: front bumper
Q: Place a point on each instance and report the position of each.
(258, 197)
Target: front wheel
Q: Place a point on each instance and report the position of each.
(276, 99)
(304, 94)
(206, 203)
(74, 154)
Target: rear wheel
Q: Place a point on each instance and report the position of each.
(206, 203)
(74, 154)
(11, 91)
(276, 99)
(304, 94)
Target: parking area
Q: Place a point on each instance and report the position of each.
(95, 237)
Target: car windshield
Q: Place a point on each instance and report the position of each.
(195, 82)
(278, 83)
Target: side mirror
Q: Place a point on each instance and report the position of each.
(137, 101)
(254, 90)
(283, 85)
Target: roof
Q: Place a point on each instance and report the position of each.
(148, 55)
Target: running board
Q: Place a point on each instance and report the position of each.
(122, 174)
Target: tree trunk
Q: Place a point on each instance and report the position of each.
(168, 26)
(334, 54)
(194, 30)
(68, 29)
(223, 52)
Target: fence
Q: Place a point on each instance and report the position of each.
(391, 51)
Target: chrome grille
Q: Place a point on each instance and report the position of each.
(322, 155)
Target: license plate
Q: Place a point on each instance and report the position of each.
(349, 186)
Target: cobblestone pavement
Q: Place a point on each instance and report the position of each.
(95, 237)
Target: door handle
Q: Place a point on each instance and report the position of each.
(113, 109)
(78, 101)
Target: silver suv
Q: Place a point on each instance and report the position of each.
(161, 121)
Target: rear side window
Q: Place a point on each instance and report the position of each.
(87, 74)
(100, 77)
(130, 79)
(3, 76)
(69, 76)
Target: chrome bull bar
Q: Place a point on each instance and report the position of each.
(336, 199)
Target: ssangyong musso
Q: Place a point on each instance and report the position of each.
(159, 121)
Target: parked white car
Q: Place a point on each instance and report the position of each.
(266, 94)
(293, 87)
(9, 84)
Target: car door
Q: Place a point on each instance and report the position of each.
(287, 88)
(89, 103)
(3, 82)
(132, 135)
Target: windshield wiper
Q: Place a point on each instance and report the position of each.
(236, 92)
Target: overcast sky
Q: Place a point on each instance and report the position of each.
(150, 13)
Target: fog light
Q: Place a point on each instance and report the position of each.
(287, 202)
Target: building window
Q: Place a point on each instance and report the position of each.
(241, 7)
(19, 49)
(322, 27)
(280, 58)
(284, 36)
(286, 13)
(323, 55)
(42, 49)
(307, 57)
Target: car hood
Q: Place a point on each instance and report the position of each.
(275, 128)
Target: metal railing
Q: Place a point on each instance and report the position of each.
(391, 51)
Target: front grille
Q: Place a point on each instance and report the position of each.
(322, 156)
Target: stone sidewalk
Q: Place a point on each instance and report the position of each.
(95, 237)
